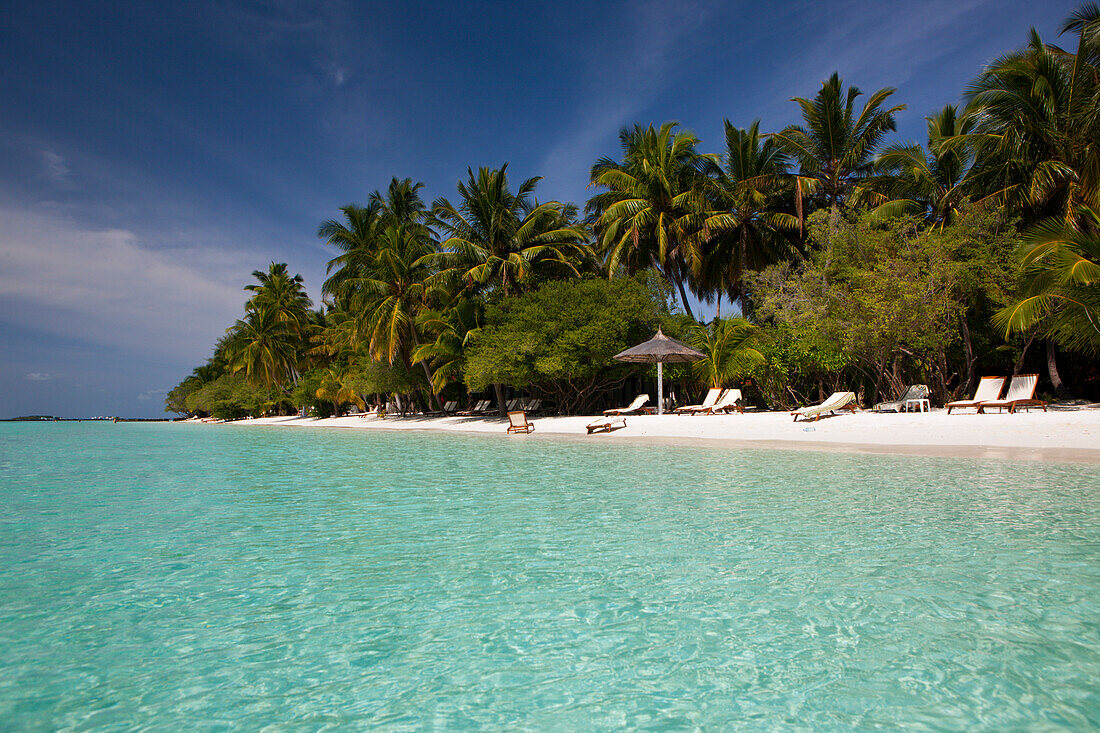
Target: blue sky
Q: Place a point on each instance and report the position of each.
(153, 154)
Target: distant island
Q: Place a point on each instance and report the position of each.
(55, 418)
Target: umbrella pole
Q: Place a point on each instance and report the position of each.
(660, 390)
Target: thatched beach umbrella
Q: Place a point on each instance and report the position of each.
(660, 349)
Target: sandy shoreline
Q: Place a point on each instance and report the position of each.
(1058, 435)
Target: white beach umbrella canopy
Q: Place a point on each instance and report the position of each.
(660, 350)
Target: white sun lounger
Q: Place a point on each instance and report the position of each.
(988, 390)
(836, 401)
(1020, 393)
(727, 402)
(708, 402)
(633, 407)
(606, 425)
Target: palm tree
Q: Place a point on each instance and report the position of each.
(451, 330)
(653, 211)
(337, 387)
(496, 238)
(355, 237)
(731, 349)
(392, 292)
(749, 230)
(1037, 131)
(389, 295)
(283, 295)
(835, 149)
(401, 204)
(1061, 284)
(934, 185)
(267, 344)
(266, 348)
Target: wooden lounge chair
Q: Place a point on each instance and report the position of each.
(836, 401)
(606, 425)
(1020, 393)
(517, 422)
(476, 410)
(912, 392)
(708, 402)
(988, 389)
(634, 408)
(728, 401)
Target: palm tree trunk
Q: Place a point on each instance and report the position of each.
(744, 263)
(683, 297)
(428, 375)
(673, 278)
(1052, 370)
(968, 349)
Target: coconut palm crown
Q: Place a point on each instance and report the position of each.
(836, 145)
(653, 209)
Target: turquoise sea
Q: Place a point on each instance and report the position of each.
(182, 577)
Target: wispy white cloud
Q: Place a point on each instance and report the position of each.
(152, 394)
(871, 45)
(105, 287)
(39, 377)
(56, 168)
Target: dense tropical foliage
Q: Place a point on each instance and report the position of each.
(854, 260)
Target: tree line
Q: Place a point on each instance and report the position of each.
(855, 261)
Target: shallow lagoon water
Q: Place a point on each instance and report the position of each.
(182, 576)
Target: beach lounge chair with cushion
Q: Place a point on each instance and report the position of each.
(606, 425)
(708, 402)
(912, 392)
(988, 389)
(517, 422)
(727, 402)
(1020, 393)
(634, 408)
(836, 401)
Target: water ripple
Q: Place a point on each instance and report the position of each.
(166, 577)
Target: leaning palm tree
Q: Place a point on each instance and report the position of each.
(931, 186)
(497, 238)
(653, 210)
(1061, 284)
(749, 227)
(731, 346)
(1037, 131)
(835, 148)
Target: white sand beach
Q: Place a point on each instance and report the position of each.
(1067, 434)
